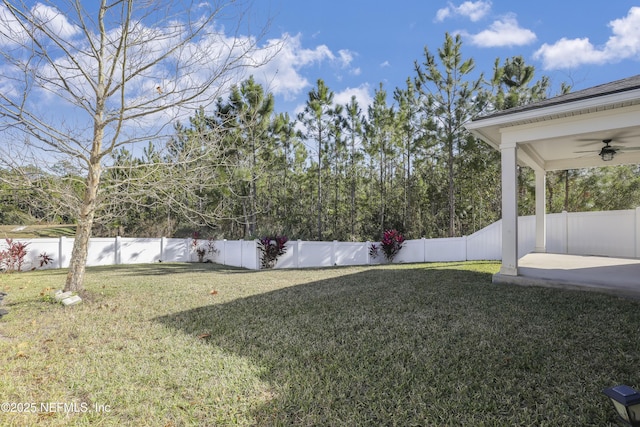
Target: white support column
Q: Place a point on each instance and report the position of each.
(637, 232)
(541, 211)
(509, 210)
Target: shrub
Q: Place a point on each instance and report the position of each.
(12, 258)
(271, 248)
(45, 259)
(392, 241)
(210, 247)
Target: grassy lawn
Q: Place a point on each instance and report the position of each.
(199, 344)
(36, 231)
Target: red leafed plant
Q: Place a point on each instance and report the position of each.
(391, 243)
(12, 258)
(272, 247)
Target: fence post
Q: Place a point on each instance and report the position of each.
(296, 254)
(224, 251)
(565, 226)
(424, 249)
(368, 245)
(466, 249)
(334, 246)
(241, 253)
(256, 252)
(60, 250)
(163, 245)
(118, 255)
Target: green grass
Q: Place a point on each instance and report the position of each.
(428, 345)
(36, 231)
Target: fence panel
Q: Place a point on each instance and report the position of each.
(412, 251)
(610, 233)
(139, 251)
(486, 244)
(557, 233)
(447, 249)
(175, 250)
(289, 258)
(37, 247)
(526, 235)
(350, 253)
(249, 255)
(602, 233)
(101, 251)
(314, 254)
(233, 253)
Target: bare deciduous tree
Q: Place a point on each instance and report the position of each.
(80, 80)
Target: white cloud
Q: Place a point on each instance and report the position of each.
(54, 21)
(282, 74)
(625, 41)
(13, 33)
(570, 53)
(362, 94)
(474, 10)
(503, 32)
(345, 56)
(443, 14)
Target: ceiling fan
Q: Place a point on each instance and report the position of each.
(608, 152)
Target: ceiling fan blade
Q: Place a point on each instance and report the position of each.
(593, 142)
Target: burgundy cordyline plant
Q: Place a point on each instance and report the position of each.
(391, 243)
(12, 258)
(271, 247)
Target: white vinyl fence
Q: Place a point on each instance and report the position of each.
(610, 233)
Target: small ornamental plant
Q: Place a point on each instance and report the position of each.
(45, 259)
(271, 248)
(13, 256)
(391, 243)
(203, 250)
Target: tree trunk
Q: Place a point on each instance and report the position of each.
(75, 275)
(319, 188)
(452, 199)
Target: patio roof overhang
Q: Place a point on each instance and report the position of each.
(564, 132)
(568, 133)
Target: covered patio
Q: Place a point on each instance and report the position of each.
(594, 127)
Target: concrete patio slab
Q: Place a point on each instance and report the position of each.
(618, 276)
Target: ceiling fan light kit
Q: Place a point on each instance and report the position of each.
(607, 151)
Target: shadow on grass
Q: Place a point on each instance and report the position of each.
(164, 268)
(422, 346)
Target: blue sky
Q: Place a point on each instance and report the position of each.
(354, 45)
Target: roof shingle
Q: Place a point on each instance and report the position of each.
(623, 85)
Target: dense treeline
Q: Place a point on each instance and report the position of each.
(343, 172)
